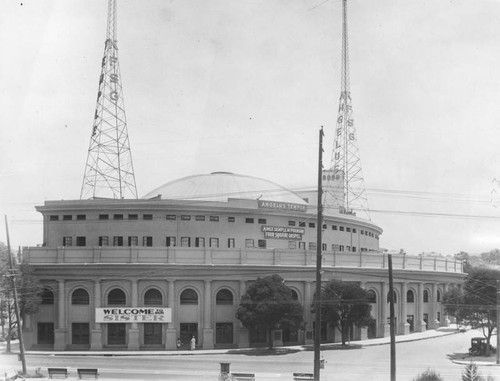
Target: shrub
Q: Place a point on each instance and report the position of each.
(428, 375)
(471, 373)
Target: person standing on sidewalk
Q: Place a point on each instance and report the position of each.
(193, 343)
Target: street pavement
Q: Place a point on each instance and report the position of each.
(10, 365)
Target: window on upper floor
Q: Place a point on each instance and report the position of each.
(353, 230)
(147, 217)
(249, 242)
(348, 230)
(438, 296)
(230, 243)
(133, 241)
(133, 217)
(249, 220)
(262, 221)
(67, 241)
(104, 216)
(291, 223)
(185, 218)
(312, 225)
(47, 296)
(117, 241)
(81, 217)
(230, 219)
(171, 217)
(199, 242)
(334, 227)
(426, 296)
(410, 297)
(302, 224)
(171, 242)
(81, 241)
(67, 217)
(53, 218)
(189, 297)
(153, 297)
(103, 241)
(117, 216)
(200, 218)
(341, 228)
(147, 241)
(214, 218)
(224, 297)
(262, 243)
(116, 297)
(372, 296)
(214, 242)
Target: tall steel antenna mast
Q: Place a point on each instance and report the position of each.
(345, 187)
(109, 171)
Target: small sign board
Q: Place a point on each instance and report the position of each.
(282, 232)
(133, 315)
(282, 206)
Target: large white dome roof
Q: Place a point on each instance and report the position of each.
(220, 186)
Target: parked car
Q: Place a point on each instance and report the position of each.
(479, 347)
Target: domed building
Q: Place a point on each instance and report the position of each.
(139, 274)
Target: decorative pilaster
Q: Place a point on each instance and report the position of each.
(96, 333)
(133, 331)
(433, 321)
(171, 334)
(419, 321)
(243, 339)
(61, 331)
(208, 332)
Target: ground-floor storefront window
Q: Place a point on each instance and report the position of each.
(224, 333)
(80, 333)
(116, 334)
(152, 333)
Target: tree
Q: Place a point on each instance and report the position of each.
(28, 288)
(344, 304)
(268, 304)
(478, 306)
(452, 301)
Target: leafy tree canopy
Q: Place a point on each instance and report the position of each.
(268, 304)
(344, 304)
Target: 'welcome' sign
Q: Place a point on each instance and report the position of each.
(133, 315)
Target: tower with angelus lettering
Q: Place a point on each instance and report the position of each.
(344, 187)
(109, 172)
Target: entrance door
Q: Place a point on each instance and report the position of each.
(152, 333)
(45, 335)
(224, 333)
(188, 330)
(116, 334)
(80, 333)
(409, 319)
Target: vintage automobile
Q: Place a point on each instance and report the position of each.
(479, 347)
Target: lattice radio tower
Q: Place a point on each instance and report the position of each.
(109, 171)
(344, 187)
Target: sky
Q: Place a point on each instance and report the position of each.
(244, 86)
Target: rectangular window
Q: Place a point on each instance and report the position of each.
(362, 232)
(341, 247)
(291, 223)
(312, 225)
(152, 333)
(334, 227)
(81, 241)
(249, 242)
(353, 230)
(185, 241)
(147, 241)
(348, 248)
(348, 230)
(133, 241)
(54, 218)
(80, 333)
(45, 333)
(324, 227)
(104, 216)
(117, 216)
(67, 217)
(230, 219)
(354, 249)
(302, 224)
(302, 245)
(214, 242)
(341, 228)
(147, 217)
(312, 246)
(249, 220)
(323, 247)
(230, 243)
(133, 217)
(117, 241)
(200, 218)
(335, 247)
(81, 217)
(292, 245)
(262, 243)
(224, 333)
(171, 217)
(103, 240)
(214, 218)
(171, 242)
(262, 221)
(67, 241)
(185, 218)
(199, 242)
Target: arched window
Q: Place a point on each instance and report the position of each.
(116, 297)
(372, 296)
(426, 296)
(394, 297)
(189, 296)
(438, 295)
(295, 296)
(80, 296)
(47, 296)
(153, 297)
(224, 297)
(410, 297)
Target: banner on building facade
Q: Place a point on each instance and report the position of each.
(133, 315)
(282, 205)
(283, 232)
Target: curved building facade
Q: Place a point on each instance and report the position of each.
(141, 274)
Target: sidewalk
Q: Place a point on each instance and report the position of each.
(9, 364)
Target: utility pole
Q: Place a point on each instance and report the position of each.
(498, 321)
(393, 328)
(16, 304)
(319, 227)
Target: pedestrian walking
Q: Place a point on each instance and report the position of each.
(193, 343)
